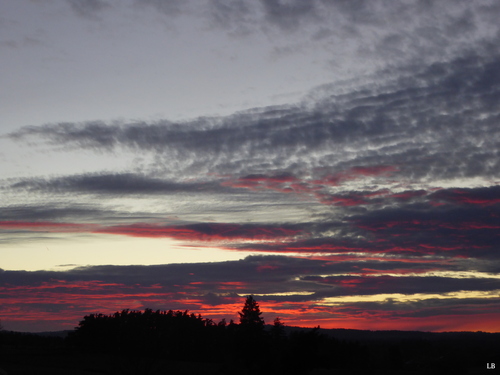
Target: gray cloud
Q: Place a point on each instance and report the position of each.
(168, 275)
(287, 15)
(430, 124)
(88, 8)
(431, 309)
(344, 30)
(352, 285)
(48, 212)
(447, 224)
(166, 7)
(237, 17)
(470, 231)
(358, 29)
(115, 184)
(419, 127)
(258, 274)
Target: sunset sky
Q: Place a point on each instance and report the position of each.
(337, 159)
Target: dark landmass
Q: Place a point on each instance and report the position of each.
(61, 334)
(176, 342)
(357, 335)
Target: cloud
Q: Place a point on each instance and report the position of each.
(51, 212)
(383, 187)
(44, 226)
(253, 271)
(353, 285)
(208, 231)
(114, 184)
(166, 7)
(203, 232)
(293, 288)
(426, 124)
(287, 15)
(420, 32)
(485, 196)
(237, 17)
(465, 231)
(88, 8)
(407, 226)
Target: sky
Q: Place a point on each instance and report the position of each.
(339, 160)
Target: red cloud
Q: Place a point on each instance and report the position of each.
(61, 304)
(354, 258)
(428, 225)
(378, 320)
(373, 171)
(203, 232)
(289, 183)
(479, 196)
(194, 232)
(340, 200)
(266, 267)
(282, 183)
(407, 195)
(361, 198)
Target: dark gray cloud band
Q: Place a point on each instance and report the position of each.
(429, 124)
(287, 286)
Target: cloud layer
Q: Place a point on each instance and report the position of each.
(372, 202)
(428, 124)
(296, 289)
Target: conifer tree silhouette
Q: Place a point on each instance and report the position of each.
(278, 329)
(250, 315)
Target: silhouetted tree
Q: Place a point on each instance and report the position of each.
(169, 334)
(222, 323)
(251, 338)
(184, 336)
(250, 315)
(278, 329)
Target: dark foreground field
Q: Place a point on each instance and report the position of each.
(354, 352)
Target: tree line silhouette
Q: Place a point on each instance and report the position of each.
(179, 342)
(180, 335)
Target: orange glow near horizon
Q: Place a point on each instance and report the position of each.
(444, 323)
(71, 301)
